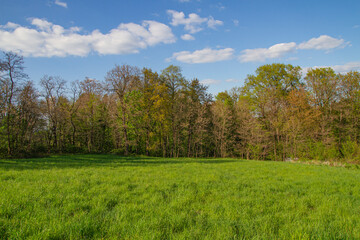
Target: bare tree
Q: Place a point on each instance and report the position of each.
(53, 90)
(121, 80)
(12, 74)
(89, 103)
(28, 116)
(74, 106)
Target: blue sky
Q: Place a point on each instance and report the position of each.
(218, 42)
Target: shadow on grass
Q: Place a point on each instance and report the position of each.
(93, 160)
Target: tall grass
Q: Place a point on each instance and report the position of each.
(110, 197)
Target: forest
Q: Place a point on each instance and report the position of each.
(280, 113)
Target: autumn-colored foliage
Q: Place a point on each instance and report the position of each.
(277, 115)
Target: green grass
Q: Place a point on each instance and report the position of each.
(111, 197)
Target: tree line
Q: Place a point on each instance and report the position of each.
(278, 114)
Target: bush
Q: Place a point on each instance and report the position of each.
(319, 151)
(255, 151)
(350, 150)
(118, 151)
(74, 149)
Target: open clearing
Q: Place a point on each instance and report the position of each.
(111, 197)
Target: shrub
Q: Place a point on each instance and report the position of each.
(320, 151)
(350, 150)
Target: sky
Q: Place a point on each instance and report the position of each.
(217, 42)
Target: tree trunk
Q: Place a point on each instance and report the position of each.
(125, 131)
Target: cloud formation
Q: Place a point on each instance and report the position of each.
(279, 50)
(206, 55)
(261, 54)
(61, 4)
(45, 39)
(187, 37)
(209, 81)
(233, 80)
(213, 23)
(193, 23)
(347, 67)
(350, 66)
(323, 42)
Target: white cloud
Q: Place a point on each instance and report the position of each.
(46, 39)
(130, 37)
(232, 80)
(212, 23)
(187, 37)
(60, 3)
(41, 24)
(236, 22)
(10, 25)
(206, 55)
(292, 59)
(209, 81)
(219, 6)
(193, 23)
(347, 67)
(323, 42)
(350, 66)
(261, 54)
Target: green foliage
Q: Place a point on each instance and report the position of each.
(255, 151)
(278, 78)
(74, 149)
(3, 142)
(276, 115)
(320, 151)
(112, 197)
(351, 150)
(118, 151)
(323, 84)
(225, 98)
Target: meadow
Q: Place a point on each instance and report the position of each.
(113, 197)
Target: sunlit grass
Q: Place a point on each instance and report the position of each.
(111, 197)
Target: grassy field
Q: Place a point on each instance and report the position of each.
(111, 197)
